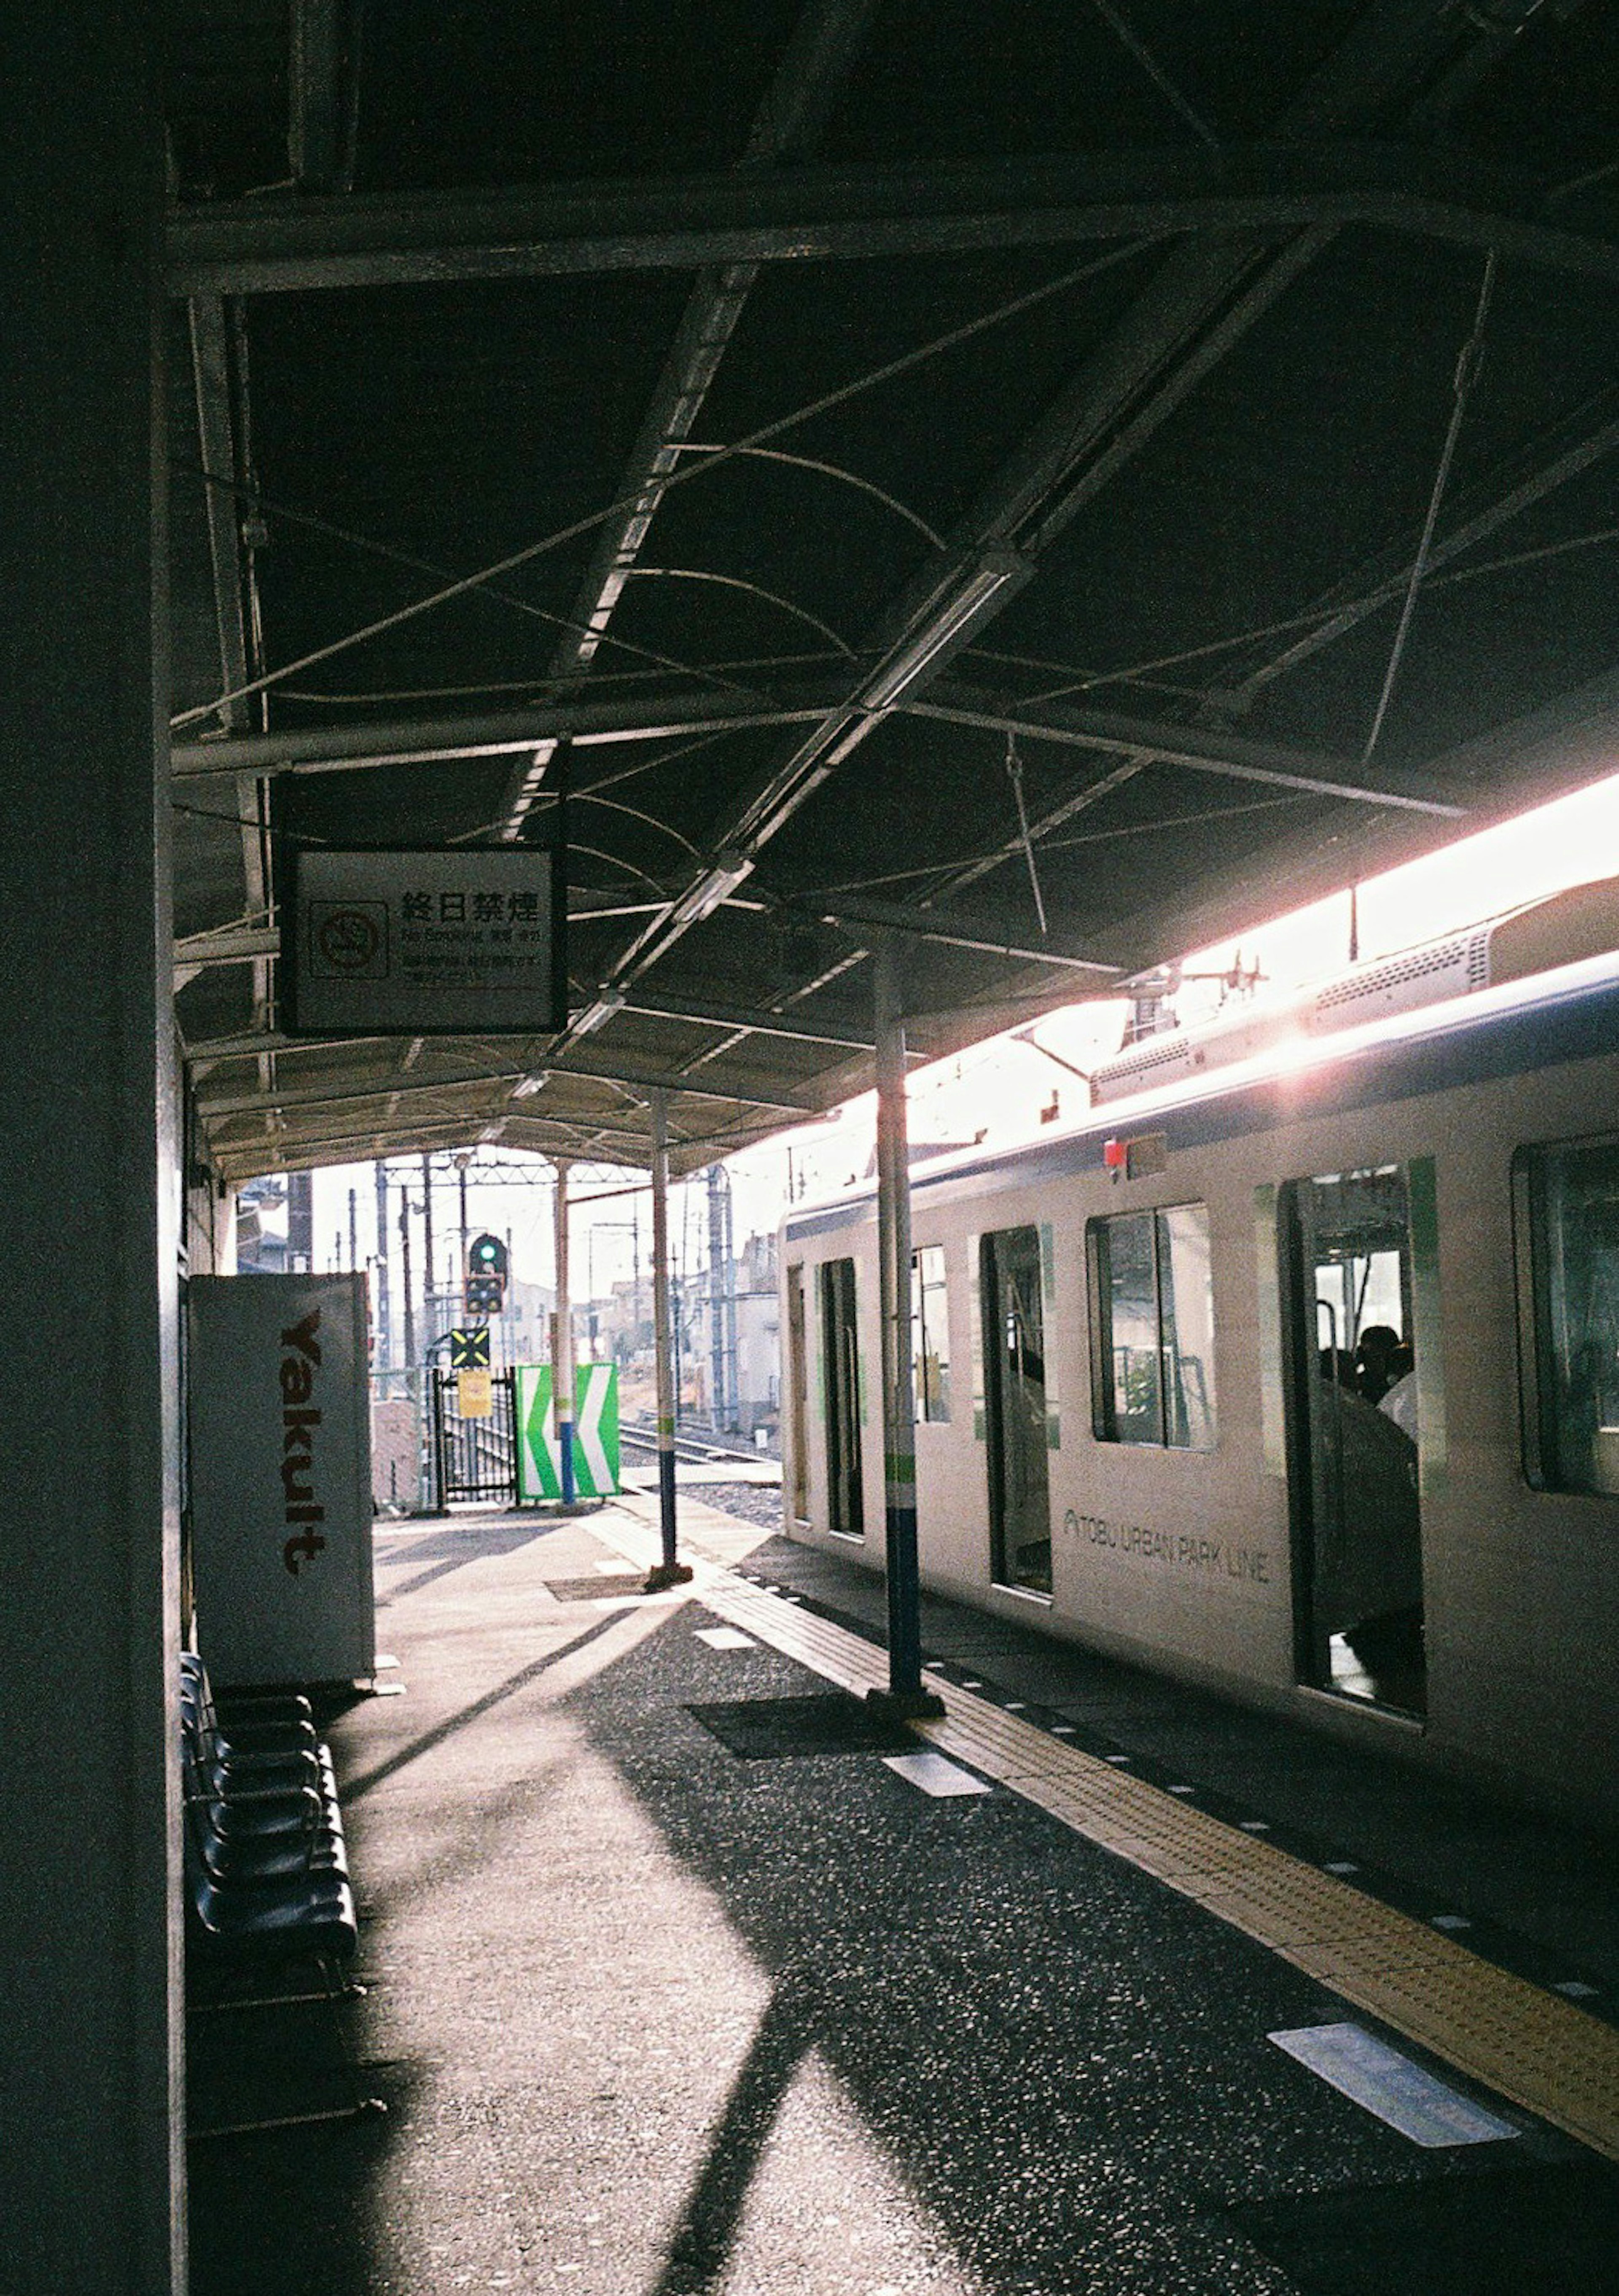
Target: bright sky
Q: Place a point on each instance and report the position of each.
(1000, 1087)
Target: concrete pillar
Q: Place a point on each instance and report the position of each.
(92, 2186)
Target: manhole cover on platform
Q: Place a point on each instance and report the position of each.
(769, 1729)
(591, 1590)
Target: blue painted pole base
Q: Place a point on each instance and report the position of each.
(670, 1571)
(904, 1605)
(564, 1450)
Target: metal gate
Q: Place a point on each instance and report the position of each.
(474, 1458)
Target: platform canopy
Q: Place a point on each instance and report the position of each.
(953, 471)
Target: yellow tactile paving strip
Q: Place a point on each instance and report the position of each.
(1526, 2045)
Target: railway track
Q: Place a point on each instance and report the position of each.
(687, 1447)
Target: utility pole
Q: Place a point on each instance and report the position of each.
(410, 1332)
(384, 1333)
(429, 1329)
(354, 1228)
(460, 1164)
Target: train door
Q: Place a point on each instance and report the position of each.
(1015, 1408)
(840, 1366)
(1353, 1472)
(797, 1395)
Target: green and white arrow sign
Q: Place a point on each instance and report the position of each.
(596, 1432)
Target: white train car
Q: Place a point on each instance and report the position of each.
(1299, 1380)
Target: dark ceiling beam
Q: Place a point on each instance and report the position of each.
(1200, 305)
(796, 215)
(1549, 753)
(279, 1152)
(590, 725)
(215, 381)
(858, 912)
(755, 1092)
(231, 944)
(1514, 486)
(709, 1015)
(1228, 757)
(218, 1107)
(1566, 742)
(498, 733)
(812, 71)
(1200, 302)
(1387, 57)
(217, 449)
(241, 1160)
(320, 92)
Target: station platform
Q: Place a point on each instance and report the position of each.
(682, 1977)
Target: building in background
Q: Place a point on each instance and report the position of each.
(275, 1225)
(731, 1345)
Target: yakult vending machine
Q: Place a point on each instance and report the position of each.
(280, 1422)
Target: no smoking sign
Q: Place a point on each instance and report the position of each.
(349, 941)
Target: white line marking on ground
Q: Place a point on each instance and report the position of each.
(934, 1774)
(1398, 2090)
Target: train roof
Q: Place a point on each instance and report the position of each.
(1568, 1014)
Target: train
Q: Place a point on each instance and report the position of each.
(1295, 1378)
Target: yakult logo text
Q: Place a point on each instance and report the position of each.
(300, 1418)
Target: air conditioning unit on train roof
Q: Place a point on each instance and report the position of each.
(1580, 922)
(1175, 1054)
(1396, 984)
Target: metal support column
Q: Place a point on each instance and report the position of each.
(905, 1694)
(561, 1369)
(670, 1570)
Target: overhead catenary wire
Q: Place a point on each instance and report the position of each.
(737, 582)
(544, 686)
(1014, 774)
(831, 470)
(1077, 680)
(1062, 844)
(249, 493)
(1128, 38)
(1466, 374)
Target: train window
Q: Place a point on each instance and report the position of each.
(1568, 1201)
(931, 1333)
(1152, 1320)
(1018, 1427)
(841, 1373)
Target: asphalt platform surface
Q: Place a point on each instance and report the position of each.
(651, 2016)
